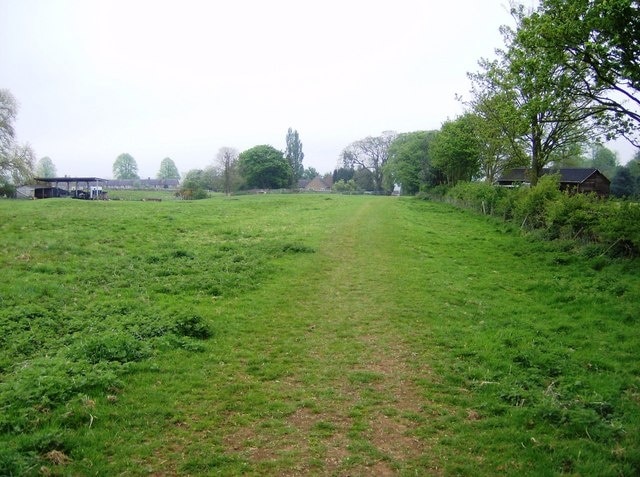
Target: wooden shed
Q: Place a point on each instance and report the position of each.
(573, 179)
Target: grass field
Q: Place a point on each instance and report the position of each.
(309, 335)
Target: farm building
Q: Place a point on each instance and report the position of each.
(319, 184)
(572, 179)
(76, 187)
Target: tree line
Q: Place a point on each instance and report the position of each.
(565, 81)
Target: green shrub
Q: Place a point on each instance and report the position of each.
(120, 347)
(572, 216)
(530, 209)
(193, 326)
(620, 227)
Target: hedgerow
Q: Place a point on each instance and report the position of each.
(611, 226)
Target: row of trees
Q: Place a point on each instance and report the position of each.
(567, 78)
(260, 167)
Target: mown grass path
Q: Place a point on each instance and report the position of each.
(310, 374)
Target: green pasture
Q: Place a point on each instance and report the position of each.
(309, 335)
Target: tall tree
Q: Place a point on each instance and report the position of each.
(265, 167)
(8, 113)
(371, 153)
(410, 163)
(543, 93)
(456, 149)
(227, 160)
(500, 129)
(125, 167)
(294, 155)
(603, 159)
(45, 167)
(16, 160)
(597, 40)
(168, 169)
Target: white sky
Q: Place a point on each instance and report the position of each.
(180, 79)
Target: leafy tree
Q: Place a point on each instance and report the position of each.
(125, 167)
(603, 159)
(343, 174)
(597, 40)
(265, 167)
(8, 113)
(343, 186)
(227, 160)
(194, 185)
(623, 183)
(410, 162)
(372, 154)
(499, 130)
(456, 149)
(364, 179)
(550, 112)
(16, 161)
(168, 169)
(294, 155)
(310, 173)
(45, 168)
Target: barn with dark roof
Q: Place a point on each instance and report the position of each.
(573, 179)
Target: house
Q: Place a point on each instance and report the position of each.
(319, 184)
(582, 180)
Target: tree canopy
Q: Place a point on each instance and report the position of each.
(598, 42)
(45, 168)
(294, 155)
(410, 162)
(227, 161)
(372, 154)
(16, 160)
(265, 167)
(125, 167)
(168, 169)
(456, 149)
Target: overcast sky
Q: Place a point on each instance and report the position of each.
(183, 78)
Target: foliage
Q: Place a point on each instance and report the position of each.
(499, 130)
(623, 184)
(607, 226)
(16, 160)
(549, 114)
(264, 167)
(227, 160)
(168, 169)
(598, 40)
(345, 187)
(456, 149)
(294, 155)
(195, 184)
(310, 173)
(45, 168)
(410, 161)
(125, 167)
(372, 154)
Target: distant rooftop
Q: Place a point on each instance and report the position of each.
(69, 179)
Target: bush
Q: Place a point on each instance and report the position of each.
(120, 347)
(193, 326)
(572, 216)
(620, 226)
(606, 226)
(531, 207)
